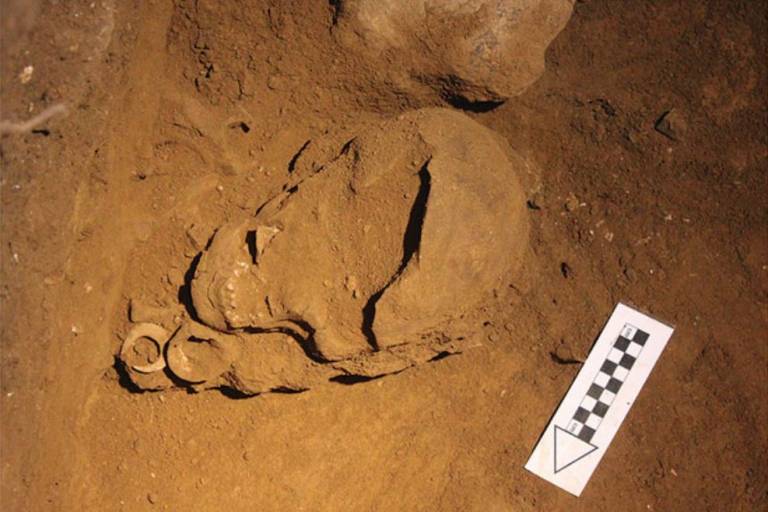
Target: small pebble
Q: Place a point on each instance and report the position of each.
(26, 74)
(564, 354)
(228, 170)
(198, 236)
(532, 204)
(672, 125)
(571, 202)
(175, 277)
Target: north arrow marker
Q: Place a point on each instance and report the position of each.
(569, 449)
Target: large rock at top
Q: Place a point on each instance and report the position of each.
(467, 50)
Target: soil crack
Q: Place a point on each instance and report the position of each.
(411, 243)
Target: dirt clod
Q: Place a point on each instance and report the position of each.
(672, 125)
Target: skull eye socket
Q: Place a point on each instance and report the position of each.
(258, 239)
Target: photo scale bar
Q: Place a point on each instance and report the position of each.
(607, 382)
(602, 393)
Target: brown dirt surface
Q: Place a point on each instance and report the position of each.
(647, 139)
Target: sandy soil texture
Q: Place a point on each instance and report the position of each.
(134, 135)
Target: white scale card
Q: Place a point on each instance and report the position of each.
(597, 402)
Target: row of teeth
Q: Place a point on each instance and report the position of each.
(230, 315)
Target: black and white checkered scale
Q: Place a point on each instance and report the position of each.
(606, 384)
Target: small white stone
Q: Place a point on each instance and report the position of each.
(26, 74)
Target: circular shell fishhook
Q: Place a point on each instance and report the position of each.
(158, 335)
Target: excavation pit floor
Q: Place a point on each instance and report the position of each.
(647, 143)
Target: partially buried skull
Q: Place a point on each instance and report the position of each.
(354, 270)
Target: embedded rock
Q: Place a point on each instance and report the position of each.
(469, 51)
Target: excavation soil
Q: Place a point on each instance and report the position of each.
(648, 139)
